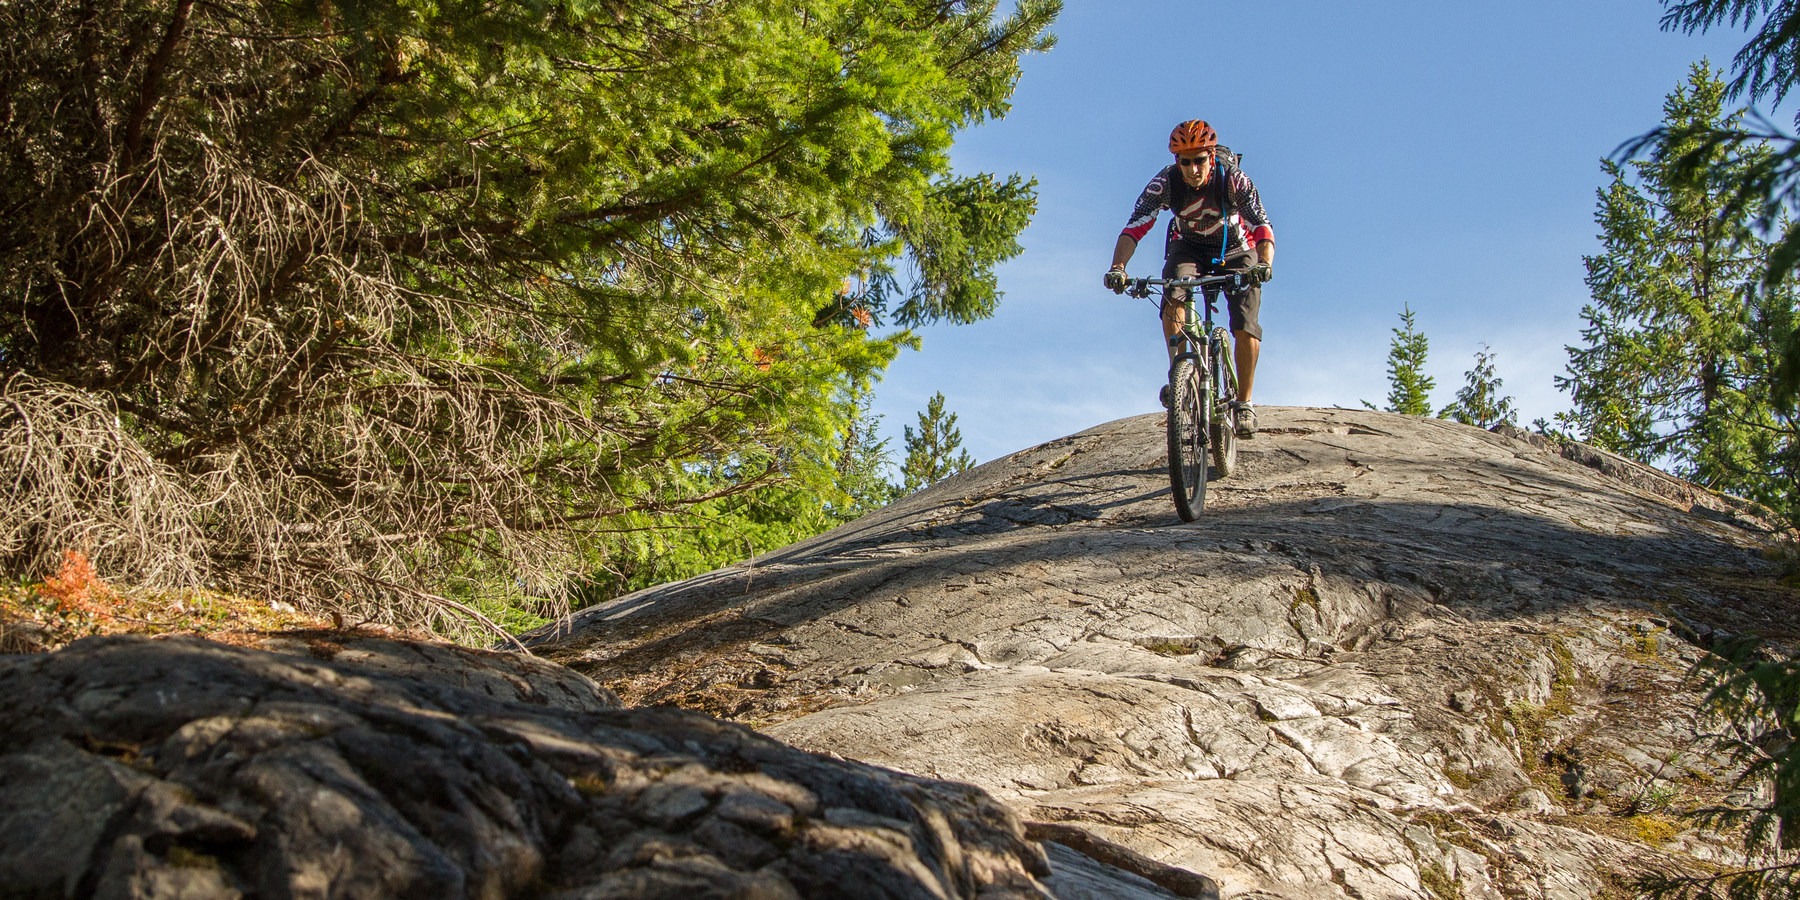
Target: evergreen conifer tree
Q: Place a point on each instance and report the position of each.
(1676, 366)
(1767, 190)
(1479, 401)
(393, 306)
(862, 467)
(1409, 388)
(934, 452)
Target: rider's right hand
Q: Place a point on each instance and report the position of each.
(1115, 280)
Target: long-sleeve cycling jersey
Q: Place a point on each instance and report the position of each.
(1197, 214)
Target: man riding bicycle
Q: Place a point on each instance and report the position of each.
(1218, 227)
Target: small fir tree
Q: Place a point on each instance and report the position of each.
(1479, 401)
(934, 452)
(1409, 388)
(862, 467)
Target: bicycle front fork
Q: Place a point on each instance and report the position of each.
(1183, 347)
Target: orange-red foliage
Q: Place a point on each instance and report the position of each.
(76, 587)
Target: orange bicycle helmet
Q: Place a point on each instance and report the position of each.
(1192, 136)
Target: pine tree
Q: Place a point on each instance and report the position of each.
(1409, 388)
(862, 467)
(1479, 401)
(400, 304)
(846, 481)
(1753, 685)
(934, 452)
(1676, 367)
(1763, 187)
(1754, 689)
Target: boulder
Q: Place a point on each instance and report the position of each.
(1396, 657)
(332, 765)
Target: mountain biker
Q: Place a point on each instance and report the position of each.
(1218, 227)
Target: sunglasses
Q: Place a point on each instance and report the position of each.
(1193, 160)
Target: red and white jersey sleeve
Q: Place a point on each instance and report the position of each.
(1150, 204)
(1248, 215)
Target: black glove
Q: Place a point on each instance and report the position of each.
(1115, 280)
(1262, 272)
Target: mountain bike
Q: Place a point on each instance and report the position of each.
(1202, 392)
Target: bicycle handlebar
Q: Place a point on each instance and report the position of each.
(1140, 287)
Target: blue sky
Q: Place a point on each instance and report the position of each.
(1442, 155)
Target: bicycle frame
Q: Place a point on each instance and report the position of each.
(1202, 391)
(1208, 286)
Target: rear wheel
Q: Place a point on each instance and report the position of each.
(1189, 406)
(1224, 421)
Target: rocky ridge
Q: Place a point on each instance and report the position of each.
(1396, 658)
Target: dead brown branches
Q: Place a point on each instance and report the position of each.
(71, 478)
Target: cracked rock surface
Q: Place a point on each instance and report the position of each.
(334, 766)
(1395, 658)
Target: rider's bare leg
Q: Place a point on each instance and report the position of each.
(1244, 351)
(1174, 306)
(1174, 316)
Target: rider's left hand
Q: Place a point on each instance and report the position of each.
(1262, 272)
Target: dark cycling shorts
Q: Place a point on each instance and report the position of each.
(1183, 260)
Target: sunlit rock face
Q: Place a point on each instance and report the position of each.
(1395, 658)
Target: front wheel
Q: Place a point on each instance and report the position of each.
(1190, 404)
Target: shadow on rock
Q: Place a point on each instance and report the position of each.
(140, 767)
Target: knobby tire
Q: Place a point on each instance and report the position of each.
(1190, 404)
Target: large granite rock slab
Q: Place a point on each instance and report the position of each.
(333, 766)
(1396, 658)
